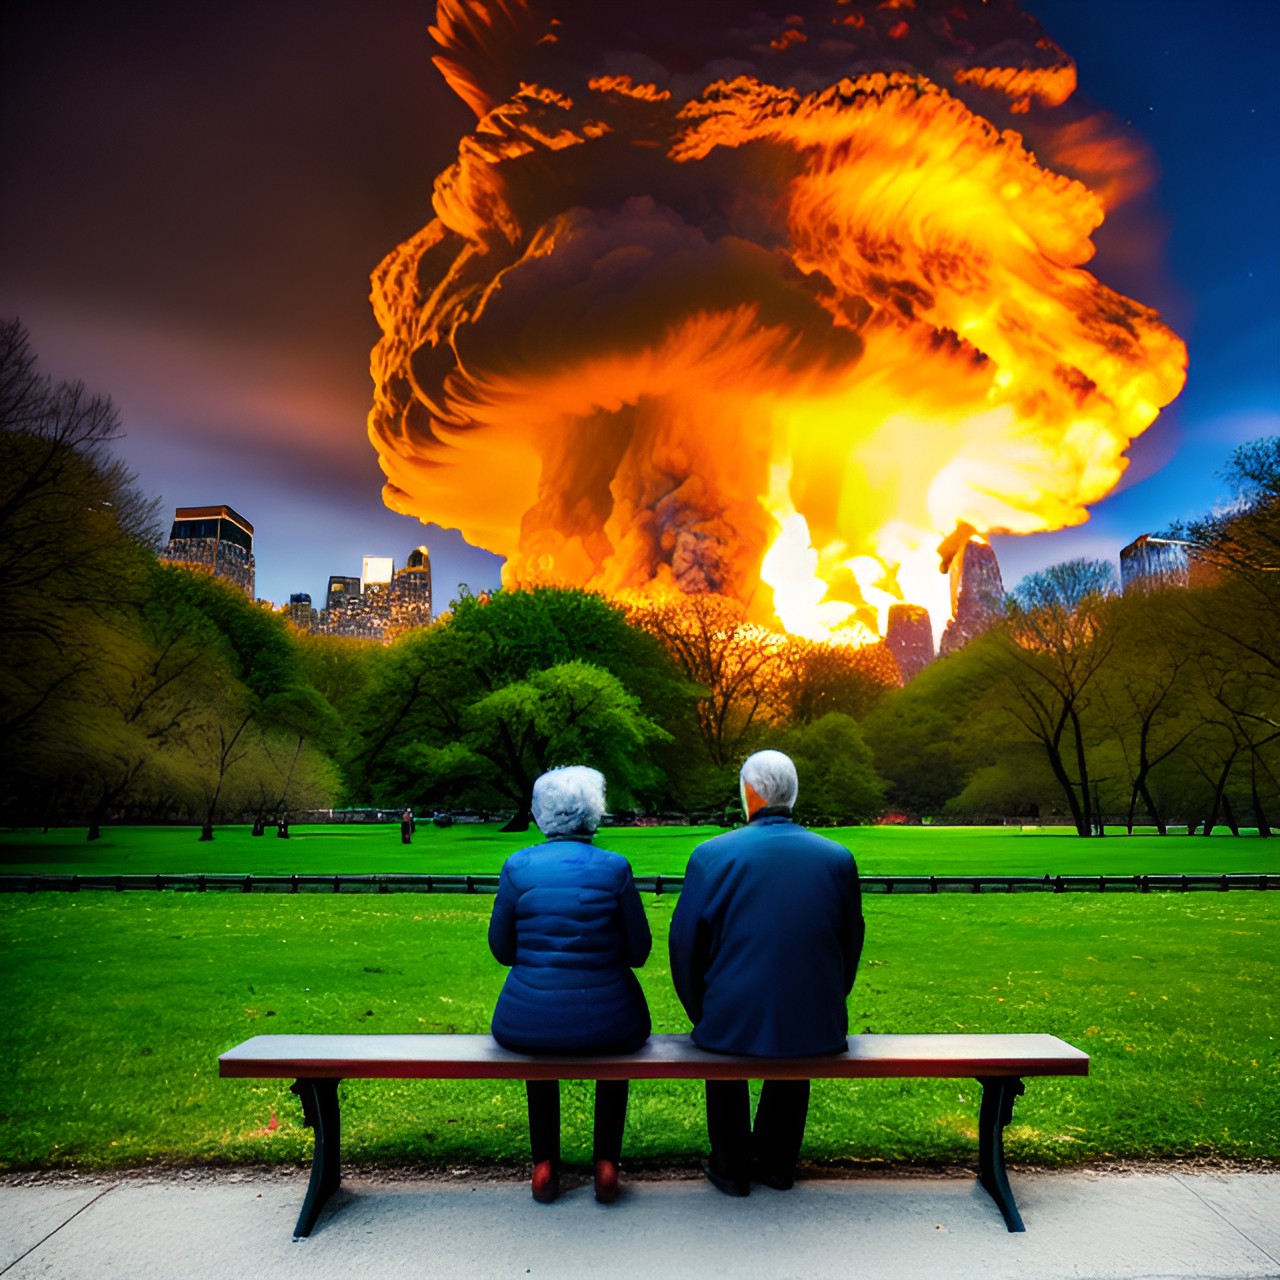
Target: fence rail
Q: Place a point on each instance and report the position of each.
(647, 884)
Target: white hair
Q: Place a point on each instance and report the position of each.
(772, 776)
(569, 801)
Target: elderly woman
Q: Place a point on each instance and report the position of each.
(569, 922)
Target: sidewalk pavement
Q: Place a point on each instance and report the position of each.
(1084, 1225)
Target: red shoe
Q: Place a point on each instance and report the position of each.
(606, 1181)
(546, 1182)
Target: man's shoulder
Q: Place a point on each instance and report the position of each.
(725, 843)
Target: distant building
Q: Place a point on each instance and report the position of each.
(1150, 563)
(977, 594)
(410, 595)
(377, 571)
(380, 604)
(216, 539)
(341, 591)
(909, 638)
(300, 612)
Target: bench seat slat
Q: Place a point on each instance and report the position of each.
(664, 1057)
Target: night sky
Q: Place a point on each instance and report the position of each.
(194, 196)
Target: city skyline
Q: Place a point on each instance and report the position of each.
(203, 256)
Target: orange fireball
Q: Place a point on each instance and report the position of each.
(767, 313)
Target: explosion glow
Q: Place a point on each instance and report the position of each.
(763, 306)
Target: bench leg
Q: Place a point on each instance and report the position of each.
(998, 1094)
(320, 1112)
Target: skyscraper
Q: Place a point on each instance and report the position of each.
(977, 591)
(376, 571)
(411, 592)
(341, 592)
(216, 539)
(300, 612)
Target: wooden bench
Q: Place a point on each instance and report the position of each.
(317, 1063)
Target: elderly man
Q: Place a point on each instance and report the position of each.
(765, 941)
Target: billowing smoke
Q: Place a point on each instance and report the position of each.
(764, 302)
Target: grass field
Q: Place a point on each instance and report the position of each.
(481, 849)
(119, 1004)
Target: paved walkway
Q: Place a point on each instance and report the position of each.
(1081, 1225)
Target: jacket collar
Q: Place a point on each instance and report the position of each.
(774, 812)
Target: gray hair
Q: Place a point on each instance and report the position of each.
(569, 801)
(772, 776)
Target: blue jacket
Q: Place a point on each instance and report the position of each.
(569, 922)
(765, 940)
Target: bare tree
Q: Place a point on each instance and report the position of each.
(1058, 633)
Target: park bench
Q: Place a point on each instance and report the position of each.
(317, 1063)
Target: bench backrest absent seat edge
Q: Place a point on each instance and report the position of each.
(663, 1057)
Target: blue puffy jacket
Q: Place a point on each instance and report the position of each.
(569, 922)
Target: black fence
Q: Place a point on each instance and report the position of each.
(647, 884)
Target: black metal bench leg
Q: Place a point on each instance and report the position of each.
(998, 1094)
(320, 1112)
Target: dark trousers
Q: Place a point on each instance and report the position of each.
(544, 1119)
(774, 1143)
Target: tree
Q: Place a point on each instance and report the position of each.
(569, 714)
(838, 782)
(1145, 695)
(815, 678)
(479, 704)
(921, 736)
(1058, 632)
(75, 537)
(1238, 619)
(259, 680)
(734, 665)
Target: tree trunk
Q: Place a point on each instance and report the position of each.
(519, 821)
(288, 781)
(1228, 815)
(1068, 788)
(206, 831)
(95, 830)
(1156, 816)
(1219, 795)
(1259, 816)
(1082, 768)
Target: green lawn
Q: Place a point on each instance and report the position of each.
(119, 1004)
(481, 849)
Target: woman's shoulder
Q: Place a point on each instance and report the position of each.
(598, 864)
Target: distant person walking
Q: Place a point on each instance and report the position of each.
(406, 827)
(764, 944)
(569, 922)
(282, 827)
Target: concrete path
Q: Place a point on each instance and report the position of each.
(1080, 1225)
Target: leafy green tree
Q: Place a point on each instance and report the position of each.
(922, 736)
(477, 705)
(259, 681)
(341, 669)
(569, 714)
(838, 781)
